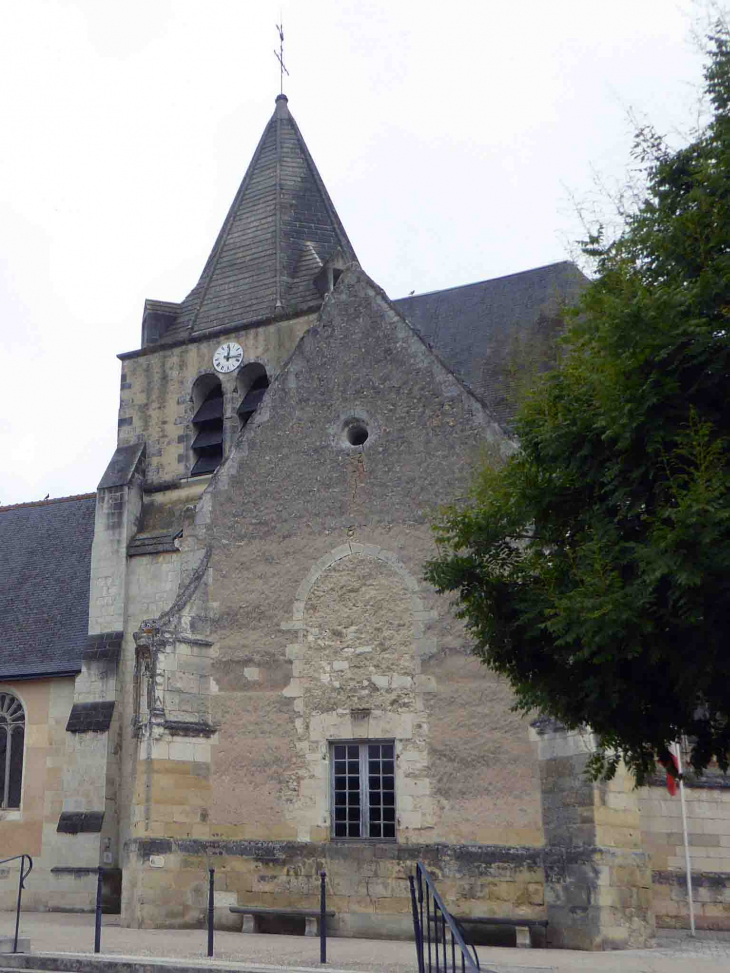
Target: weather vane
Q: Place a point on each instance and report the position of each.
(280, 55)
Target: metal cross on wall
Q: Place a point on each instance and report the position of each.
(280, 56)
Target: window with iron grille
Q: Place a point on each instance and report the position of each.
(12, 739)
(363, 790)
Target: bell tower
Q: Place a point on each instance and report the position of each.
(188, 393)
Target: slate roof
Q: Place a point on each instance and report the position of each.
(279, 232)
(495, 333)
(44, 586)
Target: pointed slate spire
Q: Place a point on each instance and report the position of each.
(280, 231)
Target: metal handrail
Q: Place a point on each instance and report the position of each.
(21, 886)
(433, 924)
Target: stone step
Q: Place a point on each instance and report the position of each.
(105, 963)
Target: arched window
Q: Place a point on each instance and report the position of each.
(208, 424)
(252, 383)
(12, 739)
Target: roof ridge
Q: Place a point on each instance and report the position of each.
(281, 100)
(488, 280)
(45, 503)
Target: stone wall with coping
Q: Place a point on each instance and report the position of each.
(708, 826)
(367, 884)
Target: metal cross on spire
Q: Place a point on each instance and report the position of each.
(280, 55)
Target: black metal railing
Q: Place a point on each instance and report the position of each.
(441, 941)
(21, 885)
(98, 909)
(323, 917)
(211, 910)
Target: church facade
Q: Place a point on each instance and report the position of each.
(237, 663)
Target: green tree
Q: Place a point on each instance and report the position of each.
(593, 568)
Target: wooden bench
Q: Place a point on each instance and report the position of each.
(522, 927)
(311, 917)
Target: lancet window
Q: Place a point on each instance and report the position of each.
(12, 741)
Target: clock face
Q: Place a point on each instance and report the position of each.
(228, 357)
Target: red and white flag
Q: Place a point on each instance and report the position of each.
(671, 778)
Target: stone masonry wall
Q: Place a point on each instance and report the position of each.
(708, 826)
(598, 883)
(302, 573)
(55, 881)
(367, 884)
(156, 403)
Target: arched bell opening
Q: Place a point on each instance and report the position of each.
(252, 383)
(208, 425)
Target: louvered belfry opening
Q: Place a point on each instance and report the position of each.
(252, 384)
(208, 425)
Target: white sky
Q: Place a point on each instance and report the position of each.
(451, 138)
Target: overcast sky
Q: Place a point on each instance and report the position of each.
(451, 138)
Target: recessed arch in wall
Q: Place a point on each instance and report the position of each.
(346, 550)
(357, 682)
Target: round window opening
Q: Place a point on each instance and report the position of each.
(356, 433)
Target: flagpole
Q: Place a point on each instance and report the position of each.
(688, 866)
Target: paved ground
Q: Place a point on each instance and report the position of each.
(56, 933)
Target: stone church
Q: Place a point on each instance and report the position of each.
(226, 655)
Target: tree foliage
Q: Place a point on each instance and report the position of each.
(593, 568)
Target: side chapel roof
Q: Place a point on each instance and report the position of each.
(495, 333)
(44, 586)
(279, 232)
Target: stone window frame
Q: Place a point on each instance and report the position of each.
(365, 823)
(13, 722)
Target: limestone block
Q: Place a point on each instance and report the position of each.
(202, 752)
(181, 750)
(7, 944)
(425, 684)
(225, 899)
